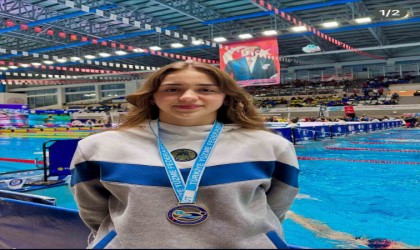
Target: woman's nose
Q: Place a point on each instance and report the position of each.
(188, 94)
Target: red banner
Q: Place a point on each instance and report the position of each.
(254, 62)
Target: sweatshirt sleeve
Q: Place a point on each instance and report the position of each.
(284, 185)
(89, 193)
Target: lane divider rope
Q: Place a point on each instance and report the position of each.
(357, 160)
(375, 149)
(378, 142)
(395, 138)
(21, 160)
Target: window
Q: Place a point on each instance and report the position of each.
(41, 101)
(106, 94)
(42, 92)
(80, 97)
(120, 86)
(80, 89)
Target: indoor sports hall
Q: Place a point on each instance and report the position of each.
(339, 79)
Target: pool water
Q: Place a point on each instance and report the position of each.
(359, 192)
(28, 146)
(23, 148)
(357, 187)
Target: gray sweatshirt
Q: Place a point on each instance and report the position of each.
(123, 193)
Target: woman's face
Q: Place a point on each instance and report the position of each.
(188, 98)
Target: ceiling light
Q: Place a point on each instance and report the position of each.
(61, 60)
(363, 20)
(155, 48)
(3, 68)
(245, 36)
(104, 54)
(197, 42)
(269, 32)
(36, 64)
(75, 58)
(48, 62)
(90, 57)
(219, 39)
(177, 45)
(13, 67)
(120, 52)
(330, 24)
(25, 65)
(298, 28)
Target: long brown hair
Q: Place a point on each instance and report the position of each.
(238, 107)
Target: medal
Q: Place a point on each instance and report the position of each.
(187, 212)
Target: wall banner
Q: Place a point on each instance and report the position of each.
(254, 62)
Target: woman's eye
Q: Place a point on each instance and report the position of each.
(170, 90)
(207, 90)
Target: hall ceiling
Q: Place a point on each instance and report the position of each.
(145, 23)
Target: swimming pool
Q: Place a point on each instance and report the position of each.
(362, 186)
(28, 146)
(22, 151)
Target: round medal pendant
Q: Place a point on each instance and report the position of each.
(187, 214)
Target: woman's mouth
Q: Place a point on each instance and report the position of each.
(187, 106)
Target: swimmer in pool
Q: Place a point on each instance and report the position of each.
(348, 241)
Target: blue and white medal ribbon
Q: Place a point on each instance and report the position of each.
(187, 213)
(187, 192)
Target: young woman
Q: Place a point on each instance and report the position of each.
(192, 166)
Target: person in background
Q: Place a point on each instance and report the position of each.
(143, 184)
(410, 121)
(374, 119)
(89, 122)
(49, 121)
(99, 123)
(364, 118)
(346, 240)
(385, 118)
(293, 123)
(341, 120)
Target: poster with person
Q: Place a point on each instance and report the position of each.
(254, 62)
(49, 118)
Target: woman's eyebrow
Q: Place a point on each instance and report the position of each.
(178, 84)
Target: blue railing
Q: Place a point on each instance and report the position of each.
(306, 133)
